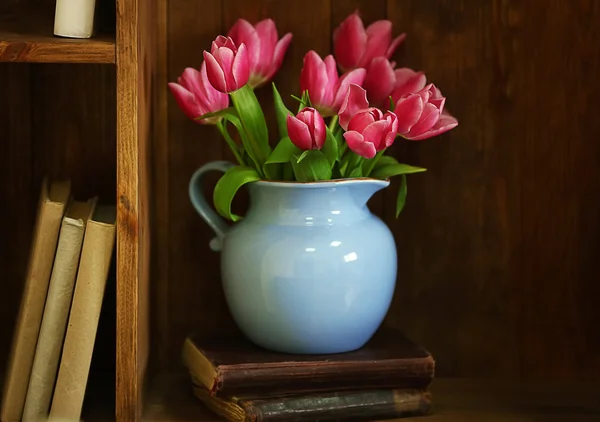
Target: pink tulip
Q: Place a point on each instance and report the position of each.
(264, 50)
(370, 131)
(307, 129)
(325, 88)
(355, 47)
(227, 65)
(196, 96)
(383, 81)
(421, 115)
(354, 101)
(407, 82)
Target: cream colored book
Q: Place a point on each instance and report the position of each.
(53, 199)
(98, 245)
(56, 310)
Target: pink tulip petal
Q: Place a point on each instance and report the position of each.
(214, 72)
(332, 80)
(299, 133)
(190, 79)
(356, 76)
(319, 133)
(379, 81)
(444, 124)
(185, 100)
(246, 34)
(213, 100)
(379, 36)
(375, 133)
(407, 82)
(349, 42)
(394, 45)
(364, 118)
(267, 33)
(428, 119)
(240, 69)
(313, 77)
(355, 100)
(357, 143)
(225, 57)
(393, 128)
(222, 41)
(278, 55)
(426, 92)
(408, 110)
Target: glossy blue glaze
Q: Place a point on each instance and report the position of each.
(309, 269)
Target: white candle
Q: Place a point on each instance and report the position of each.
(74, 18)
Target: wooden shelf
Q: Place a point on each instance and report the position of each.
(28, 37)
(455, 400)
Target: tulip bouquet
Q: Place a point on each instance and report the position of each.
(345, 121)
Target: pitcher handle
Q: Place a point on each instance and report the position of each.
(202, 206)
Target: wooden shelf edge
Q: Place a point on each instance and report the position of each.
(39, 49)
(27, 36)
(170, 399)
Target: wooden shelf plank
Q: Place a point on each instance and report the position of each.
(455, 400)
(28, 37)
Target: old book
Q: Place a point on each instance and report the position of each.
(56, 310)
(54, 196)
(358, 405)
(96, 255)
(234, 366)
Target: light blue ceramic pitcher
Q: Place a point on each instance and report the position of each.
(309, 269)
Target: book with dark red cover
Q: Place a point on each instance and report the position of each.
(233, 366)
(351, 405)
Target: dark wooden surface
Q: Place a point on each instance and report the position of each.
(498, 244)
(454, 400)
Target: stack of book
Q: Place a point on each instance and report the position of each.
(69, 261)
(388, 378)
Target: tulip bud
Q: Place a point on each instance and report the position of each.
(265, 51)
(227, 65)
(355, 47)
(421, 115)
(325, 87)
(196, 96)
(307, 129)
(370, 131)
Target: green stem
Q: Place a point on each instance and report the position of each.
(370, 164)
(333, 123)
(232, 145)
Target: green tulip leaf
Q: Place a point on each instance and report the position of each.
(253, 122)
(228, 186)
(330, 148)
(401, 196)
(303, 155)
(281, 112)
(283, 153)
(312, 168)
(388, 166)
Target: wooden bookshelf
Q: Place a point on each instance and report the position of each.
(80, 108)
(26, 35)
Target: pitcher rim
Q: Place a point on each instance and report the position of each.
(322, 183)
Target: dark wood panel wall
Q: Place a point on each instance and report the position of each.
(499, 243)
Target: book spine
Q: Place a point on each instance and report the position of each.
(355, 406)
(54, 320)
(76, 358)
(50, 212)
(265, 382)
